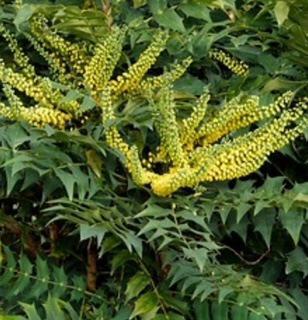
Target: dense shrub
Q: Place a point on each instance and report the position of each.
(140, 175)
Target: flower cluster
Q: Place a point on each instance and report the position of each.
(75, 68)
(192, 150)
(100, 68)
(196, 162)
(20, 57)
(238, 67)
(153, 83)
(73, 54)
(37, 115)
(130, 80)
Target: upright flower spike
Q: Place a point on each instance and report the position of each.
(36, 116)
(236, 158)
(24, 84)
(7, 112)
(100, 68)
(168, 127)
(20, 57)
(129, 81)
(12, 98)
(75, 55)
(54, 60)
(153, 83)
(236, 66)
(190, 125)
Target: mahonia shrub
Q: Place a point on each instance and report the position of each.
(82, 235)
(190, 150)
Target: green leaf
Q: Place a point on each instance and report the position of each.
(223, 293)
(53, 310)
(202, 310)
(30, 311)
(67, 180)
(239, 313)
(220, 310)
(302, 301)
(293, 221)
(264, 223)
(25, 269)
(241, 210)
(89, 231)
(171, 316)
(281, 11)
(123, 314)
(157, 6)
(5, 317)
(147, 304)
(170, 19)
(203, 289)
(200, 255)
(119, 259)
(153, 210)
(16, 135)
(197, 10)
(297, 261)
(136, 284)
(11, 180)
(260, 205)
(87, 104)
(23, 15)
(189, 84)
(72, 313)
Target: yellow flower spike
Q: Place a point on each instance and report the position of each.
(132, 161)
(16, 80)
(39, 116)
(168, 129)
(166, 79)
(7, 112)
(40, 89)
(234, 115)
(75, 55)
(188, 148)
(130, 80)
(166, 184)
(238, 114)
(101, 66)
(233, 159)
(54, 60)
(139, 174)
(36, 116)
(236, 66)
(13, 100)
(189, 125)
(19, 56)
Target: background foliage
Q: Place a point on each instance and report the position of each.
(79, 240)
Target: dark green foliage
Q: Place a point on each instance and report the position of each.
(232, 251)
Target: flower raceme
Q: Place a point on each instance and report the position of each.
(74, 67)
(191, 151)
(196, 153)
